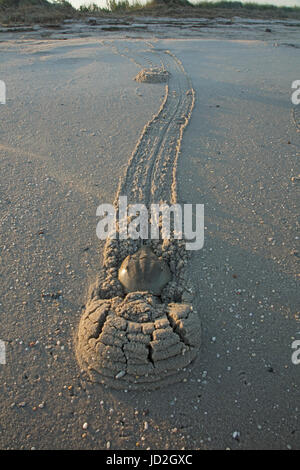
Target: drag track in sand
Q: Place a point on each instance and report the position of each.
(159, 339)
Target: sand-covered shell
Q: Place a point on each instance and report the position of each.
(144, 271)
(137, 342)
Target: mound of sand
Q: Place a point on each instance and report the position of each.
(137, 343)
(152, 75)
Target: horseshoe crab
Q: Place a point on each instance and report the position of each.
(144, 271)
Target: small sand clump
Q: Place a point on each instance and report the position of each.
(153, 75)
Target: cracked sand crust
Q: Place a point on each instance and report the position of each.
(138, 342)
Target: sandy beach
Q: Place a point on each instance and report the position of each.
(72, 118)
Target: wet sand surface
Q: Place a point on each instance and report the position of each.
(72, 119)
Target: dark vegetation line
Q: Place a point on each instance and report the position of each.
(56, 11)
